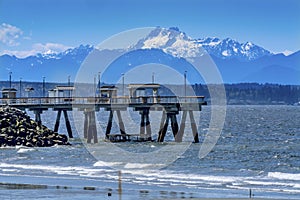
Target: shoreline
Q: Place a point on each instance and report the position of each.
(24, 188)
(110, 193)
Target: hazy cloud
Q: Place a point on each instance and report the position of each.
(9, 34)
(48, 48)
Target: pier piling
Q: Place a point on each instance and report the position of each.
(67, 121)
(68, 125)
(145, 126)
(38, 116)
(109, 124)
(121, 124)
(194, 127)
(57, 121)
(148, 126)
(90, 128)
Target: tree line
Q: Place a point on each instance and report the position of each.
(255, 93)
(239, 93)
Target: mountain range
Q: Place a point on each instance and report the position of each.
(237, 62)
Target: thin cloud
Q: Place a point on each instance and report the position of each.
(49, 48)
(9, 34)
(38, 48)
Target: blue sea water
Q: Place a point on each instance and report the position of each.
(259, 149)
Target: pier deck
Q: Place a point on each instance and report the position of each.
(169, 105)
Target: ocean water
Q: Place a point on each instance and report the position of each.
(259, 149)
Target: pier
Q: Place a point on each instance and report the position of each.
(169, 106)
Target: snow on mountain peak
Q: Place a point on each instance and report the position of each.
(171, 41)
(178, 44)
(174, 42)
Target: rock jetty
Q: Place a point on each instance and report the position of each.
(17, 128)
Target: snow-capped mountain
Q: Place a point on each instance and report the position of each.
(237, 62)
(171, 41)
(177, 43)
(229, 48)
(82, 51)
(54, 66)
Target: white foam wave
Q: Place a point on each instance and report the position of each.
(140, 166)
(163, 177)
(25, 150)
(107, 164)
(284, 176)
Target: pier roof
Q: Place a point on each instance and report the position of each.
(139, 86)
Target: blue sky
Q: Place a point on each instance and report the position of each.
(30, 26)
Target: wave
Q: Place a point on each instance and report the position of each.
(25, 150)
(273, 181)
(284, 176)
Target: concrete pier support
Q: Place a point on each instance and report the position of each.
(164, 125)
(109, 124)
(37, 112)
(120, 123)
(57, 121)
(148, 127)
(90, 128)
(145, 126)
(68, 125)
(179, 137)
(38, 118)
(161, 134)
(85, 125)
(67, 121)
(194, 127)
(174, 125)
(177, 131)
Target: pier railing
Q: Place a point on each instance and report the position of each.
(101, 100)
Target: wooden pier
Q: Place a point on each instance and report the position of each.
(170, 106)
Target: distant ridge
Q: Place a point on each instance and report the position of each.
(237, 62)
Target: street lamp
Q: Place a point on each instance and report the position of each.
(69, 82)
(123, 84)
(152, 77)
(20, 87)
(99, 82)
(44, 86)
(95, 86)
(185, 85)
(10, 80)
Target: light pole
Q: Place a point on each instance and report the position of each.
(20, 87)
(95, 86)
(185, 85)
(123, 84)
(10, 80)
(99, 83)
(69, 84)
(44, 86)
(69, 81)
(152, 77)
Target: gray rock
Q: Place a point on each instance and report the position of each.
(16, 128)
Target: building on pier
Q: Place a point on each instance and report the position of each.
(144, 91)
(108, 91)
(9, 93)
(61, 91)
